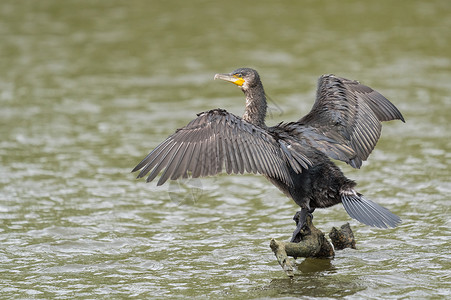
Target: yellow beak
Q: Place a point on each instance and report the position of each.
(230, 78)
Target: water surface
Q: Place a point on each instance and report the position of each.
(87, 88)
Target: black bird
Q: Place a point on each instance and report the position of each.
(344, 124)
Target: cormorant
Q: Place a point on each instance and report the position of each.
(344, 124)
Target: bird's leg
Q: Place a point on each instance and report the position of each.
(301, 223)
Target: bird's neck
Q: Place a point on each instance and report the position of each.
(255, 111)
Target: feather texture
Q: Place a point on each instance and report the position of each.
(218, 139)
(350, 114)
(368, 212)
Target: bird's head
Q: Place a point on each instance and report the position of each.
(242, 77)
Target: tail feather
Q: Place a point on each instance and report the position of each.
(368, 212)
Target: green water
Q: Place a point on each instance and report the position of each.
(87, 88)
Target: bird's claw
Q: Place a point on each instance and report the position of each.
(302, 228)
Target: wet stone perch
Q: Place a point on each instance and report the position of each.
(313, 243)
(342, 238)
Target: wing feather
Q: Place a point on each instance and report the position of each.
(350, 114)
(215, 140)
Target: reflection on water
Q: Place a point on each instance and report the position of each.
(88, 88)
(313, 265)
(315, 286)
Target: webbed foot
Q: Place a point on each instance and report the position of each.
(302, 228)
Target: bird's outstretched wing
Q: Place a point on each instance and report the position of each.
(349, 113)
(216, 139)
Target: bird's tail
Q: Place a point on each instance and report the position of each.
(368, 212)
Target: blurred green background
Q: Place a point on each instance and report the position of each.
(87, 88)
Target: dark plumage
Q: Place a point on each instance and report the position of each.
(344, 124)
